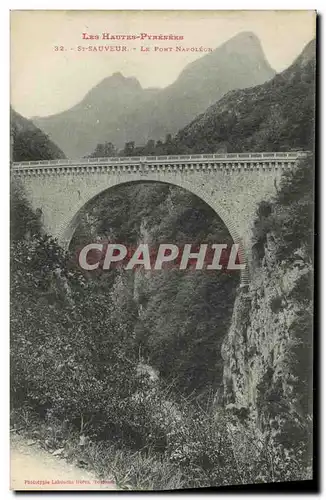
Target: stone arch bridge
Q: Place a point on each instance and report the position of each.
(232, 184)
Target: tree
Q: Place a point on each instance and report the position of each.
(129, 148)
(105, 150)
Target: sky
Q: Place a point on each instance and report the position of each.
(46, 81)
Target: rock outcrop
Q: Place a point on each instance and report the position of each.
(267, 360)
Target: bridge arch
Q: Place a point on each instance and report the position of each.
(70, 222)
(232, 184)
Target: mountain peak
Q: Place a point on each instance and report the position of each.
(117, 76)
(302, 64)
(244, 42)
(308, 54)
(245, 36)
(241, 54)
(118, 80)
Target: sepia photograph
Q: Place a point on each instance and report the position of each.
(162, 175)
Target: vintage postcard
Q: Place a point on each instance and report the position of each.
(162, 200)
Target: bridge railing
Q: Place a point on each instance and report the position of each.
(170, 158)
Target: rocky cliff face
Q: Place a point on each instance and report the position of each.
(267, 367)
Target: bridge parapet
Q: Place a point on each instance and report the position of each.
(205, 162)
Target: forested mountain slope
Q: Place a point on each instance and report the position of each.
(275, 116)
(29, 143)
